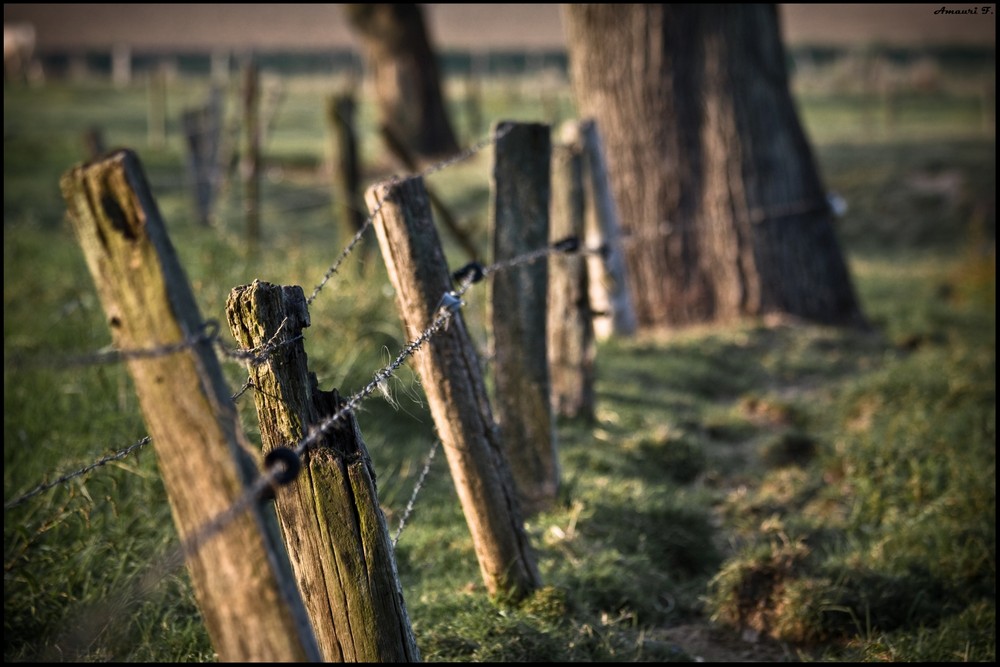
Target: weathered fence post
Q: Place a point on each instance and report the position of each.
(609, 295)
(449, 369)
(202, 128)
(520, 196)
(242, 581)
(332, 523)
(250, 167)
(345, 171)
(156, 109)
(570, 326)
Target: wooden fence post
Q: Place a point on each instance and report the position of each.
(345, 171)
(250, 167)
(609, 295)
(331, 520)
(570, 327)
(244, 587)
(202, 127)
(449, 369)
(156, 110)
(520, 196)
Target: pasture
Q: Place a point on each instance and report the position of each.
(769, 491)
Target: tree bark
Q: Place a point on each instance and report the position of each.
(405, 73)
(721, 202)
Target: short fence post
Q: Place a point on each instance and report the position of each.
(449, 369)
(520, 196)
(570, 327)
(251, 607)
(609, 295)
(331, 520)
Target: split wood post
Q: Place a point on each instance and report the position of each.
(240, 574)
(570, 327)
(609, 295)
(345, 172)
(520, 194)
(450, 373)
(330, 516)
(250, 167)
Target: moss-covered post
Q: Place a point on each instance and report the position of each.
(330, 516)
(240, 575)
(450, 374)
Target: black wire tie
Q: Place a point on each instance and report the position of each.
(473, 270)
(567, 245)
(284, 465)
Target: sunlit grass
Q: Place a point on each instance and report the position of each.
(833, 489)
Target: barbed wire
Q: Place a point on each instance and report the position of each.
(369, 220)
(416, 491)
(210, 333)
(40, 488)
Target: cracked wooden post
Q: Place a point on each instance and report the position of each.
(520, 194)
(241, 579)
(330, 516)
(570, 328)
(449, 370)
(609, 295)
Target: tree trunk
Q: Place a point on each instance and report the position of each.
(721, 202)
(405, 73)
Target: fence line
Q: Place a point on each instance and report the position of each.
(451, 301)
(283, 469)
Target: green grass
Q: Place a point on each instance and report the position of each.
(829, 490)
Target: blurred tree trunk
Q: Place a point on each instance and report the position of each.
(719, 194)
(405, 73)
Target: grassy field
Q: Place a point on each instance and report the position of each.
(770, 491)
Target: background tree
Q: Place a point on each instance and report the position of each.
(715, 181)
(405, 73)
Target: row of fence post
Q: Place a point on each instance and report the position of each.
(330, 590)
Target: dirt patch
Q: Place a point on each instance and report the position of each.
(706, 643)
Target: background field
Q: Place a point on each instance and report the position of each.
(770, 491)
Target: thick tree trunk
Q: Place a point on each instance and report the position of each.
(721, 203)
(405, 73)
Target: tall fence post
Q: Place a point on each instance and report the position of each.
(449, 369)
(570, 327)
(520, 196)
(345, 171)
(609, 295)
(250, 167)
(241, 578)
(331, 520)
(202, 127)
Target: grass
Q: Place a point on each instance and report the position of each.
(830, 492)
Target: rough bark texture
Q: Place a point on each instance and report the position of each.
(571, 348)
(519, 213)
(405, 72)
(716, 183)
(456, 393)
(249, 603)
(331, 520)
